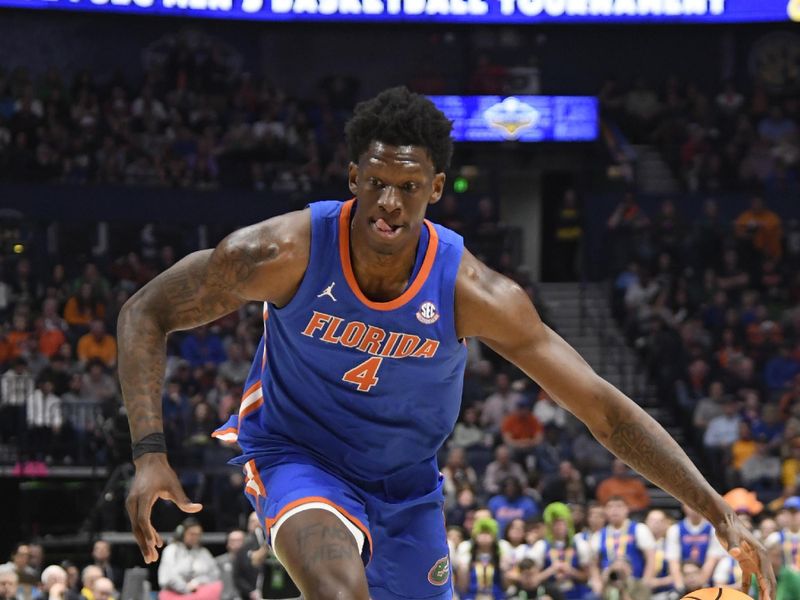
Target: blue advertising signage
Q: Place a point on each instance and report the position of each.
(452, 11)
(521, 118)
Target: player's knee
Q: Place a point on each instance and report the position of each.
(338, 584)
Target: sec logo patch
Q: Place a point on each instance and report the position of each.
(427, 313)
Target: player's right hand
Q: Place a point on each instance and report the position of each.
(154, 479)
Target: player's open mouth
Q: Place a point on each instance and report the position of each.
(383, 229)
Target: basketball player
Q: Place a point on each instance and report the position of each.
(357, 380)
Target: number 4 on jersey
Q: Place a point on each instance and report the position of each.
(365, 374)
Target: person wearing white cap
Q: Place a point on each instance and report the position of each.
(789, 537)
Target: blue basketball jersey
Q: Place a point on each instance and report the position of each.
(695, 544)
(614, 543)
(370, 390)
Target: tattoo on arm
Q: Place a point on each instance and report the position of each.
(200, 288)
(644, 445)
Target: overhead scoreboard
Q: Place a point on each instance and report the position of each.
(450, 11)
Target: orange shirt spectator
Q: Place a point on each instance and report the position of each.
(82, 308)
(98, 344)
(50, 341)
(627, 486)
(521, 428)
(16, 338)
(763, 227)
(741, 451)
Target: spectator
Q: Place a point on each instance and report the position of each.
(82, 308)
(201, 347)
(663, 581)
(622, 540)
(761, 227)
(236, 368)
(457, 473)
(595, 521)
(103, 589)
(619, 581)
(761, 473)
(529, 584)
(480, 576)
(225, 562)
(692, 540)
(722, 431)
(96, 384)
(44, 418)
(468, 433)
(521, 430)
(626, 485)
(36, 558)
(512, 504)
(568, 236)
(187, 570)
(499, 404)
(101, 557)
(248, 562)
(562, 558)
(89, 576)
(9, 584)
(551, 451)
(54, 585)
(98, 345)
(16, 387)
(26, 576)
(788, 579)
(709, 407)
(693, 577)
(548, 412)
(567, 485)
(788, 538)
(500, 469)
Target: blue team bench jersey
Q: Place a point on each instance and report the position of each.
(370, 390)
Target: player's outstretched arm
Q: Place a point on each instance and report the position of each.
(261, 262)
(498, 312)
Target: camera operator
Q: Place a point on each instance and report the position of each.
(619, 584)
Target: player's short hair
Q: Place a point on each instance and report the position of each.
(399, 117)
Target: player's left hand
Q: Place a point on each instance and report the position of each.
(749, 552)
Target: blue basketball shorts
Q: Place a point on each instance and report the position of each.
(404, 543)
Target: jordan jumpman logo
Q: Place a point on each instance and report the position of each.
(328, 291)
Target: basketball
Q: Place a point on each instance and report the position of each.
(716, 593)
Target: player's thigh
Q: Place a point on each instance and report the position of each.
(321, 555)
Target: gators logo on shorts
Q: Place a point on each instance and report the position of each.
(440, 572)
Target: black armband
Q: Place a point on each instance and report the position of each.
(154, 442)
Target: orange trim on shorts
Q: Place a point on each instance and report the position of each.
(309, 499)
(347, 267)
(253, 475)
(257, 477)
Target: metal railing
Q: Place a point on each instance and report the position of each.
(614, 351)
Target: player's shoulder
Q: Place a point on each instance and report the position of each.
(482, 292)
(289, 229)
(274, 252)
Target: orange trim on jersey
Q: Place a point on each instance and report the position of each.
(309, 499)
(347, 267)
(251, 408)
(251, 389)
(244, 411)
(218, 433)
